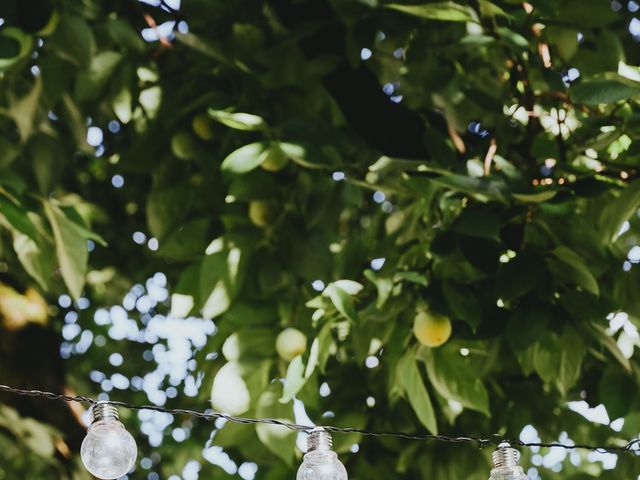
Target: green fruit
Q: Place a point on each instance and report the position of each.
(183, 145)
(291, 343)
(262, 212)
(204, 127)
(274, 159)
(431, 330)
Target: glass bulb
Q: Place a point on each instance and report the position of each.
(505, 462)
(108, 451)
(321, 462)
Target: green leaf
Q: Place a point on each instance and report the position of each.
(24, 111)
(245, 158)
(527, 323)
(302, 154)
(239, 121)
(463, 303)
(604, 340)
(603, 91)
(617, 211)
(325, 343)
(567, 266)
(294, 380)
(187, 242)
(90, 84)
(349, 286)
(445, 11)
(166, 207)
(490, 9)
(412, 384)
(342, 301)
(73, 40)
(221, 275)
(535, 197)
(614, 391)
(453, 377)
(384, 286)
(479, 222)
(558, 359)
(71, 248)
(280, 440)
(210, 49)
(14, 217)
(520, 275)
(483, 187)
(24, 44)
(36, 257)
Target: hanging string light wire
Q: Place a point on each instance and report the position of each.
(632, 446)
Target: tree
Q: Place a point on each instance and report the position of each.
(336, 168)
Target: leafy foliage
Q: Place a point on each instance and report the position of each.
(335, 168)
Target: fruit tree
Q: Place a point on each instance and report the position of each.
(416, 216)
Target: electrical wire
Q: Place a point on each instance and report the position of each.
(632, 446)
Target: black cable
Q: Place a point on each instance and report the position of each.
(477, 441)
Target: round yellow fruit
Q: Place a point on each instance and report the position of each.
(262, 212)
(290, 343)
(183, 145)
(203, 126)
(274, 159)
(431, 329)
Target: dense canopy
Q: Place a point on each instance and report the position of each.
(181, 182)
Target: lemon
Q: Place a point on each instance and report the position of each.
(183, 145)
(203, 127)
(290, 343)
(431, 329)
(262, 212)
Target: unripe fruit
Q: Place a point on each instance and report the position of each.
(291, 343)
(431, 329)
(203, 126)
(183, 145)
(229, 393)
(262, 212)
(274, 159)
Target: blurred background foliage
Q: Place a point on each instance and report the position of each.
(180, 182)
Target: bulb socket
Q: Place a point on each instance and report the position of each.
(505, 456)
(103, 411)
(319, 440)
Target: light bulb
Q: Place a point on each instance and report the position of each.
(505, 463)
(108, 451)
(321, 462)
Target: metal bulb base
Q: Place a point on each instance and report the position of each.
(321, 462)
(319, 440)
(103, 411)
(505, 463)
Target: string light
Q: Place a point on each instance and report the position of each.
(120, 447)
(321, 462)
(505, 464)
(108, 451)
